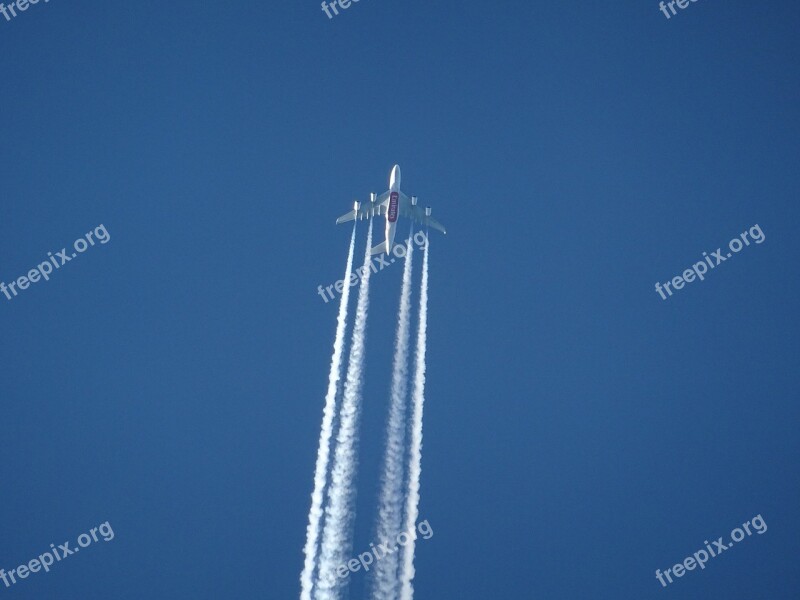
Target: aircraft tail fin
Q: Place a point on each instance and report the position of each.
(379, 249)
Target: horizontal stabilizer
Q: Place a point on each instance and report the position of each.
(379, 249)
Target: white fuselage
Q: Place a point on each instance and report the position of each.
(393, 208)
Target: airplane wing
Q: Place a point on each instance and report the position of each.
(431, 222)
(381, 204)
(418, 214)
(346, 217)
(367, 209)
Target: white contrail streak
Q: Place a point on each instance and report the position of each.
(415, 451)
(323, 454)
(339, 513)
(390, 503)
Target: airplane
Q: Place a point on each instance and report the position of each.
(391, 203)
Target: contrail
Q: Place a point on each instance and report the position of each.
(323, 454)
(339, 513)
(390, 504)
(415, 451)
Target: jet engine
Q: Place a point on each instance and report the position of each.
(414, 200)
(427, 211)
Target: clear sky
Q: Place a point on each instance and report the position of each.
(580, 432)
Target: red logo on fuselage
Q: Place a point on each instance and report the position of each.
(393, 197)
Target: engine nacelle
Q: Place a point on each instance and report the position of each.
(427, 211)
(414, 200)
(372, 197)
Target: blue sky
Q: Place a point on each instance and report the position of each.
(580, 432)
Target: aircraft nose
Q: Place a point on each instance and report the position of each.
(394, 178)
